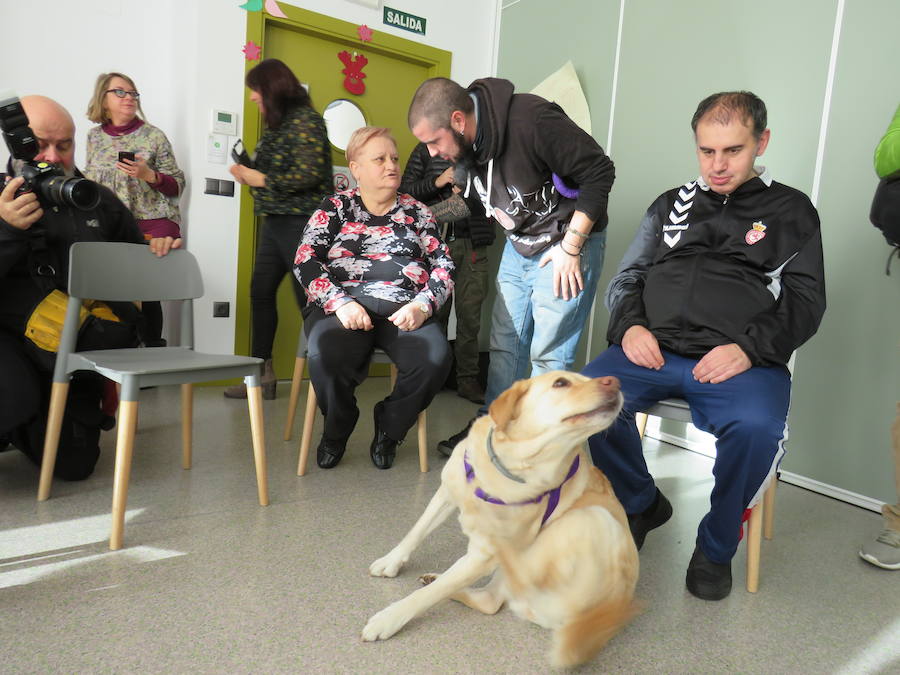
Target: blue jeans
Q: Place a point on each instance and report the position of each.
(746, 413)
(533, 331)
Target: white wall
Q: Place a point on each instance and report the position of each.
(186, 59)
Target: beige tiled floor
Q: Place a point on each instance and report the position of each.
(210, 582)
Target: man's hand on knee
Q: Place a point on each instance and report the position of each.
(641, 348)
(721, 363)
(567, 279)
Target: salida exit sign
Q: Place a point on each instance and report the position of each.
(410, 22)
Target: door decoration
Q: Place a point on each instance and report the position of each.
(270, 5)
(273, 9)
(353, 82)
(252, 51)
(365, 33)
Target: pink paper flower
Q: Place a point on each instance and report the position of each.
(365, 33)
(252, 51)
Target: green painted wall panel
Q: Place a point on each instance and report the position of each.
(848, 378)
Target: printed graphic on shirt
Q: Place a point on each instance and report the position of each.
(679, 213)
(755, 233)
(539, 203)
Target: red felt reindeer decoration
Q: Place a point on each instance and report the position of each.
(354, 65)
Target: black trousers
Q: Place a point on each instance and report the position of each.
(279, 238)
(24, 401)
(338, 361)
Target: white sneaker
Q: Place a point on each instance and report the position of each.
(883, 551)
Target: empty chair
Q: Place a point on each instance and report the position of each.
(129, 272)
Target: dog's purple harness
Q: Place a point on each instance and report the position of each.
(553, 494)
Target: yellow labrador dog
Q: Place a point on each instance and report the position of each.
(537, 514)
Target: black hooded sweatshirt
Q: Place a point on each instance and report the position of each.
(522, 140)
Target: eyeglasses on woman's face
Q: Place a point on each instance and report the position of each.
(122, 93)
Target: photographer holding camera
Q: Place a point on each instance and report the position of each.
(44, 209)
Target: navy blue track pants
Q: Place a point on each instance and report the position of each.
(747, 414)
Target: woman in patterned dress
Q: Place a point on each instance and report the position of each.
(375, 271)
(150, 184)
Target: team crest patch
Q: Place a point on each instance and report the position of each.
(756, 233)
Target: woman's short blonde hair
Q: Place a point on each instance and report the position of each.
(362, 136)
(96, 112)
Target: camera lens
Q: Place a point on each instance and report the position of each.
(78, 192)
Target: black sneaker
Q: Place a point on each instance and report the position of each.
(446, 447)
(652, 517)
(708, 580)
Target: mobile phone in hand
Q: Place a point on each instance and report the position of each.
(239, 154)
(126, 155)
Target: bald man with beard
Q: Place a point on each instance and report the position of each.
(33, 234)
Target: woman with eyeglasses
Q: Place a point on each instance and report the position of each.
(135, 160)
(291, 174)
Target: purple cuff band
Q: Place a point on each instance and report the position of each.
(167, 185)
(159, 227)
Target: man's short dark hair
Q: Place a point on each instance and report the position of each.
(722, 108)
(435, 100)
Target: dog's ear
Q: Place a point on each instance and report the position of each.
(507, 406)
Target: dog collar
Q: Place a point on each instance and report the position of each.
(553, 495)
(495, 460)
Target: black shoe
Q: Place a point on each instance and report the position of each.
(469, 388)
(383, 448)
(446, 447)
(329, 453)
(708, 580)
(652, 517)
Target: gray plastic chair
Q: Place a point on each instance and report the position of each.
(378, 356)
(678, 409)
(129, 272)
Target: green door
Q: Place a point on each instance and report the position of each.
(310, 43)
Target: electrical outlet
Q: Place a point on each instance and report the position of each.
(220, 309)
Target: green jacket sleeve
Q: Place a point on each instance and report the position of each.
(887, 154)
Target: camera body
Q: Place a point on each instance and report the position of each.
(47, 181)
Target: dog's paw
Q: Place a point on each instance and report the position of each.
(384, 624)
(426, 579)
(388, 566)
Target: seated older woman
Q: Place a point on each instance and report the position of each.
(375, 271)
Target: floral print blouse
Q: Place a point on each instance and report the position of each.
(144, 201)
(347, 253)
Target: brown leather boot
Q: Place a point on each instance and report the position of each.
(268, 384)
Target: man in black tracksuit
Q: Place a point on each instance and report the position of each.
(723, 281)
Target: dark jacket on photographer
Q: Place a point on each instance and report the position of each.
(32, 263)
(48, 241)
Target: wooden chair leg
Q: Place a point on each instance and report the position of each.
(296, 381)
(58, 394)
(124, 450)
(754, 536)
(306, 436)
(258, 434)
(187, 421)
(423, 442)
(393, 377)
(769, 510)
(641, 421)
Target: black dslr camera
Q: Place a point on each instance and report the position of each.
(48, 182)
